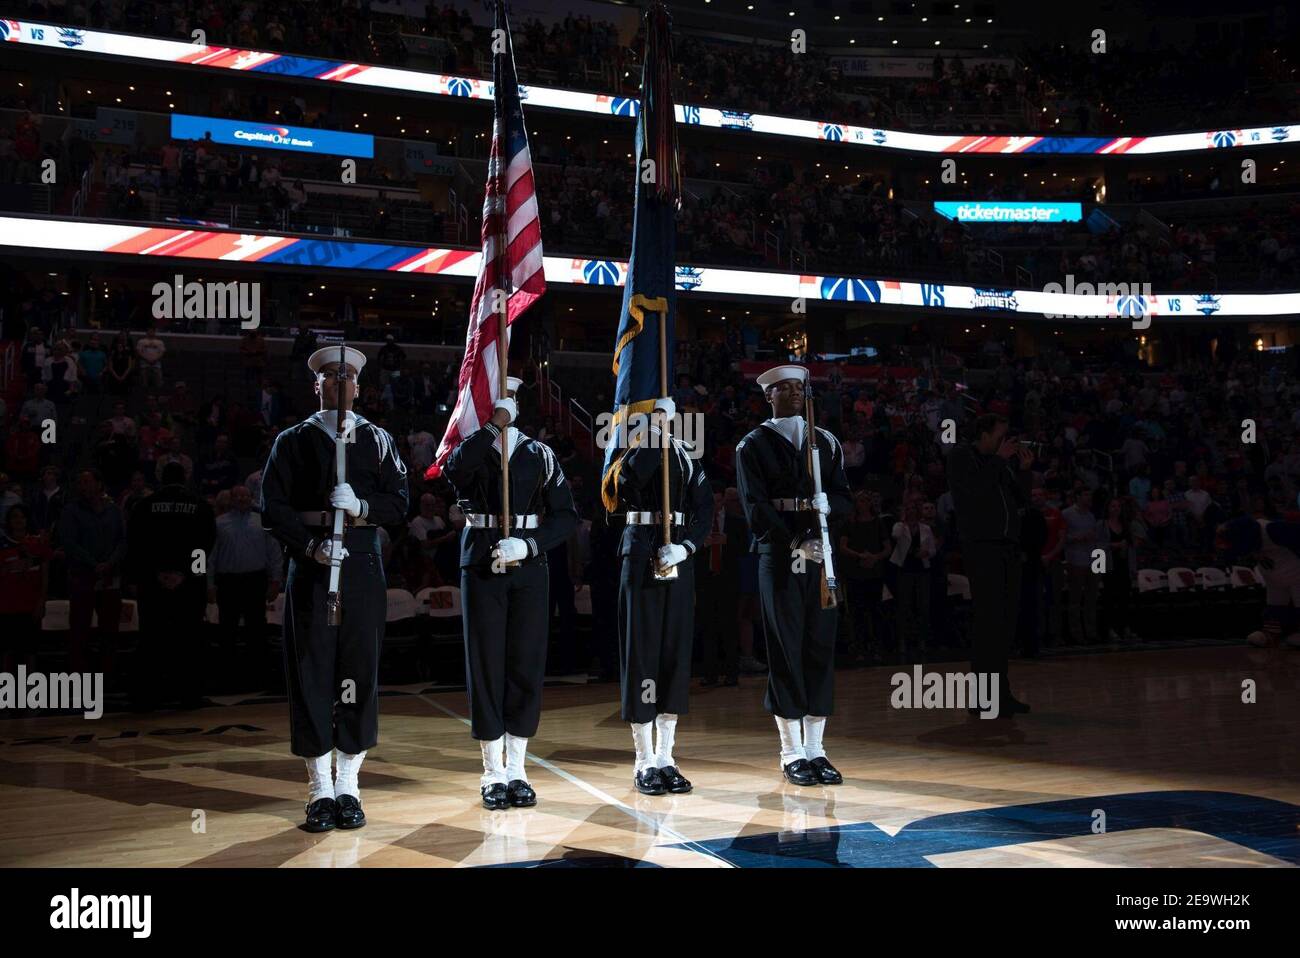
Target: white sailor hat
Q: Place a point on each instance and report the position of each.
(330, 354)
(778, 373)
(512, 384)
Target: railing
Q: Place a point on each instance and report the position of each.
(539, 377)
(555, 397)
(1024, 278)
(581, 417)
(771, 247)
(1147, 218)
(459, 212)
(83, 191)
(8, 364)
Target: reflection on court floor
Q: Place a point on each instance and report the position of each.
(1145, 759)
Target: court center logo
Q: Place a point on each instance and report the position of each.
(946, 690)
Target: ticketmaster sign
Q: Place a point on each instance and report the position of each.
(976, 212)
(270, 136)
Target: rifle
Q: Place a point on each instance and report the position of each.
(830, 587)
(333, 600)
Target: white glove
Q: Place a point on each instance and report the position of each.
(510, 550)
(821, 503)
(509, 406)
(325, 551)
(344, 498)
(810, 550)
(666, 406)
(669, 555)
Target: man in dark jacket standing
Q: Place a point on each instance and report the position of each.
(988, 493)
(164, 532)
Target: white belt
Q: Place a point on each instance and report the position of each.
(480, 520)
(653, 518)
(792, 505)
(325, 519)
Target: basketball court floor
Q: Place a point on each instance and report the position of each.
(1144, 758)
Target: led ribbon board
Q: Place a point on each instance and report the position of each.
(996, 212)
(439, 84)
(1104, 302)
(299, 139)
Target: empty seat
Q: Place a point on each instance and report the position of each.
(1212, 578)
(1152, 580)
(442, 602)
(56, 616)
(959, 585)
(129, 619)
(401, 606)
(1244, 577)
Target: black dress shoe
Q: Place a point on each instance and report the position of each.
(730, 682)
(350, 813)
(521, 794)
(800, 772)
(322, 815)
(826, 773)
(674, 781)
(1013, 706)
(709, 682)
(650, 782)
(495, 796)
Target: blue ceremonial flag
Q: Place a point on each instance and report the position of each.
(649, 294)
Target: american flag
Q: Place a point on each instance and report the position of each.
(512, 254)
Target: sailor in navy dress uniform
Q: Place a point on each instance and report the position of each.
(656, 617)
(504, 600)
(332, 672)
(776, 491)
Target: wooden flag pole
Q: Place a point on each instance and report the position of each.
(503, 330)
(503, 357)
